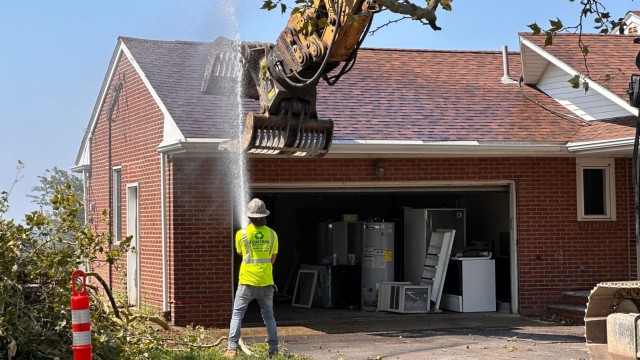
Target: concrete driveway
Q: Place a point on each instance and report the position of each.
(353, 335)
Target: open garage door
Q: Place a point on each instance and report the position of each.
(301, 218)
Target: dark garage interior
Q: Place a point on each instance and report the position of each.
(298, 216)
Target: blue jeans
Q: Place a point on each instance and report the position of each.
(264, 296)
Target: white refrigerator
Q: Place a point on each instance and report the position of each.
(418, 226)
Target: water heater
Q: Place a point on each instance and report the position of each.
(377, 261)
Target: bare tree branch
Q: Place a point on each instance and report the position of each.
(425, 15)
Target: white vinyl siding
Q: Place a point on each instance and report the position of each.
(533, 65)
(590, 105)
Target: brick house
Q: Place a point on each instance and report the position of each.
(543, 170)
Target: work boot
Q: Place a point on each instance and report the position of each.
(272, 354)
(231, 353)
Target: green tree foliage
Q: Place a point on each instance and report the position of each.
(36, 262)
(51, 180)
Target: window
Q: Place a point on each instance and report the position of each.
(596, 189)
(117, 205)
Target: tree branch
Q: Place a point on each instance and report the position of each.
(426, 15)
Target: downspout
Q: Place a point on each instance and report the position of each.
(163, 220)
(636, 192)
(114, 103)
(634, 100)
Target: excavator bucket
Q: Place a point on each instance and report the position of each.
(288, 125)
(284, 135)
(225, 70)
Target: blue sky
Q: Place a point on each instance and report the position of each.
(56, 55)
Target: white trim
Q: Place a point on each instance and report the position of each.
(601, 145)
(513, 248)
(137, 274)
(84, 155)
(116, 225)
(608, 166)
(171, 131)
(593, 85)
(390, 148)
(163, 221)
(358, 185)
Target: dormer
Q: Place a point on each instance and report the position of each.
(632, 24)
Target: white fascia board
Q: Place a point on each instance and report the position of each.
(191, 146)
(391, 148)
(84, 157)
(593, 85)
(601, 146)
(171, 131)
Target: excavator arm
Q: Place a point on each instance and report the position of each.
(283, 76)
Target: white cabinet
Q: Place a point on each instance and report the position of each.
(470, 285)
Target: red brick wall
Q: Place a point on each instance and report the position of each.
(201, 250)
(555, 251)
(136, 130)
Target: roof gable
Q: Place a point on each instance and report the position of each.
(551, 67)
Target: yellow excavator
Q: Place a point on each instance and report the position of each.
(283, 76)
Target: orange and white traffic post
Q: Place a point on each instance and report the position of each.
(80, 318)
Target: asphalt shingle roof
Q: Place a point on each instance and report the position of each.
(392, 94)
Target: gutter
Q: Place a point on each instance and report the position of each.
(612, 145)
(389, 148)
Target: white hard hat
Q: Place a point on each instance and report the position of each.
(256, 209)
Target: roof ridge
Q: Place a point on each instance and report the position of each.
(528, 33)
(129, 38)
(438, 50)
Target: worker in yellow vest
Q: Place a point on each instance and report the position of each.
(258, 245)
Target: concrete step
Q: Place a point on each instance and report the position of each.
(571, 309)
(565, 313)
(575, 297)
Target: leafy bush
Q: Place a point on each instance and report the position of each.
(36, 262)
(37, 259)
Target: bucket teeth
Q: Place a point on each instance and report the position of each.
(282, 135)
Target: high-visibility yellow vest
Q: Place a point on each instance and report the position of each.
(256, 245)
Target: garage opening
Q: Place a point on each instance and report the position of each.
(308, 221)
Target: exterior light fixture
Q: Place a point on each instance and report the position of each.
(379, 169)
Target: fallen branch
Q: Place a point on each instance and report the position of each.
(245, 348)
(108, 292)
